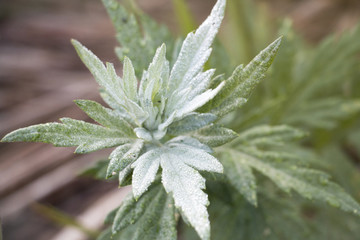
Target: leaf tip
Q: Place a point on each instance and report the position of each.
(75, 43)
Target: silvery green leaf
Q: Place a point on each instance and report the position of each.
(240, 176)
(189, 141)
(196, 158)
(105, 116)
(195, 87)
(196, 49)
(156, 69)
(150, 217)
(243, 80)
(214, 135)
(191, 123)
(254, 72)
(136, 112)
(150, 84)
(145, 170)
(112, 84)
(186, 185)
(309, 183)
(163, 126)
(139, 35)
(152, 89)
(144, 134)
(322, 113)
(114, 105)
(124, 156)
(198, 101)
(103, 75)
(265, 135)
(125, 176)
(200, 83)
(230, 84)
(129, 78)
(228, 105)
(88, 137)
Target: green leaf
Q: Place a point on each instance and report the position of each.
(242, 82)
(123, 156)
(106, 117)
(186, 185)
(196, 49)
(109, 219)
(275, 218)
(192, 142)
(130, 81)
(309, 183)
(214, 135)
(323, 113)
(103, 75)
(88, 137)
(145, 170)
(150, 217)
(107, 78)
(140, 47)
(269, 135)
(192, 122)
(125, 176)
(240, 177)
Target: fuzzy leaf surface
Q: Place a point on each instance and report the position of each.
(123, 156)
(214, 135)
(196, 49)
(285, 170)
(180, 160)
(112, 84)
(240, 177)
(137, 45)
(309, 183)
(150, 217)
(88, 137)
(105, 116)
(242, 82)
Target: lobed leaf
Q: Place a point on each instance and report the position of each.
(309, 183)
(130, 81)
(190, 142)
(241, 83)
(150, 217)
(123, 156)
(269, 135)
(192, 122)
(196, 49)
(106, 117)
(214, 135)
(139, 46)
(145, 170)
(88, 137)
(107, 78)
(240, 176)
(185, 186)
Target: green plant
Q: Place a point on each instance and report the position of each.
(165, 128)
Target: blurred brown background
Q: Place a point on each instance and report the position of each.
(40, 76)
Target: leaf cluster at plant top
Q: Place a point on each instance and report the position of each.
(164, 127)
